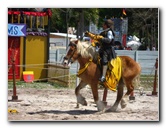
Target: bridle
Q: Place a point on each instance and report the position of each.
(69, 59)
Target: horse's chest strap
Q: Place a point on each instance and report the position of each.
(84, 68)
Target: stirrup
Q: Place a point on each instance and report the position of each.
(102, 79)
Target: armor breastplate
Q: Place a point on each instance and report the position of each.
(104, 33)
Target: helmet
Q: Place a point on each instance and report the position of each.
(109, 23)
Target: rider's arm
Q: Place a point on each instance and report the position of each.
(109, 38)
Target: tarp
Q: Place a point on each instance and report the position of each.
(134, 43)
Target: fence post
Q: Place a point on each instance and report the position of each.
(155, 78)
(14, 97)
(136, 56)
(57, 56)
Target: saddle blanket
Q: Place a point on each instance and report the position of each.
(113, 74)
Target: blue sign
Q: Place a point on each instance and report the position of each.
(16, 29)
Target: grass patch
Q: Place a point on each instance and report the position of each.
(36, 85)
(146, 81)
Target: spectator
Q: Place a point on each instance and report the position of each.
(153, 48)
(147, 48)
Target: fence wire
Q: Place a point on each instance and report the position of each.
(146, 81)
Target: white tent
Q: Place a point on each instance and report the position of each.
(134, 43)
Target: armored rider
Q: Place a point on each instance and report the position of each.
(106, 51)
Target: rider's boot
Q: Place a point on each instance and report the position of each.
(103, 79)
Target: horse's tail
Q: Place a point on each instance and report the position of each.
(136, 81)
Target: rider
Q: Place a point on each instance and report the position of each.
(106, 50)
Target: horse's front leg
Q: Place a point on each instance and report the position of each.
(80, 98)
(100, 105)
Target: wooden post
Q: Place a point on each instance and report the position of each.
(19, 15)
(43, 21)
(24, 19)
(155, 78)
(14, 97)
(12, 18)
(36, 22)
(14, 54)
(30, 21)
(154, 93)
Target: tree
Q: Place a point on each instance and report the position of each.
(144, 24)
(59, 18)
(107, 13)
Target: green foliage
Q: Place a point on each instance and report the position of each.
(106, 13)
(60, 17)
(142, 22)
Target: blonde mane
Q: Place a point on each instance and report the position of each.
(86, 50)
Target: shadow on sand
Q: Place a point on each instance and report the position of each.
(70, 112)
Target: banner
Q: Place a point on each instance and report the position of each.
(16, 29)
(124, 39)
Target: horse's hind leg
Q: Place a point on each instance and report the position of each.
(80, 98)
(119, 96)
(130, 89)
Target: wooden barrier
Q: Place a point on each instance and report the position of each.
(58, 74)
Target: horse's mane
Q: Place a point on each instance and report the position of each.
(86, 50)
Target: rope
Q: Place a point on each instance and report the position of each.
(79, 72)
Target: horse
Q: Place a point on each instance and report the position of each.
(86, 56)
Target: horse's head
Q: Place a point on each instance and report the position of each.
(71, 54)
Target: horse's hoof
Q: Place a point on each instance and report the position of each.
(81, 100)
(123, 104)
(101, 106)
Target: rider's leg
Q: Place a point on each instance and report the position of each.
(104, 63)
(103, 76)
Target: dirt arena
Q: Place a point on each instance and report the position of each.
(59, 105)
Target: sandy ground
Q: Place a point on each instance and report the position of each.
(59, 105)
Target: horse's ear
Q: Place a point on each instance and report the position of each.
(74, 40)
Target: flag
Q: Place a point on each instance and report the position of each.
(124, 12)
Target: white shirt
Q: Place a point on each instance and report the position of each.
(110, 35)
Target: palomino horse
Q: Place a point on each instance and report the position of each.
(83, 53)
